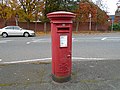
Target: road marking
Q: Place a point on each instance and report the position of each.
(111, 38)
(74, 39)
(104, 38)
(50, 59)
(38, 40)
(28, 42)
(5, 41)
(91, 59)
(25, 61)
(89, 38)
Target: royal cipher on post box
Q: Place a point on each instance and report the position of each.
(61, 30)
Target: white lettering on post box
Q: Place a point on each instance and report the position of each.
(63, 41)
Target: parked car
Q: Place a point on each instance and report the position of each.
(16, 31)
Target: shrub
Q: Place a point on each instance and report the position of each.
(116, 27)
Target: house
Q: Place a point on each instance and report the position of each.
(117, 15)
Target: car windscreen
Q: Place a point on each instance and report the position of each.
(9, 28)
(16, 28)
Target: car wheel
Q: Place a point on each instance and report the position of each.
(4, 34)
(26, 34)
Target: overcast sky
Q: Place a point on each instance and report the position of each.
(111, 5)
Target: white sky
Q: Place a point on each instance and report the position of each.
(111, 6)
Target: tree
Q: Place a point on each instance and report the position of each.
(5, 13)
(59, 5)
(30, 10)
(102, 17)
(14, 5)
(85, 8)
(50, 6)
(68, 5)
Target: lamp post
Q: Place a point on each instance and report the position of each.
(117, 13)
(112, 21)
(16, 19)
(90, 24)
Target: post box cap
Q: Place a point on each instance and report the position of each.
(61, 14)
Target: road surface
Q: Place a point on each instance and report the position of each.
(85, 47)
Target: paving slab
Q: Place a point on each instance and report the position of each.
(86, 75)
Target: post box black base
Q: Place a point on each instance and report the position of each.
(61, 79)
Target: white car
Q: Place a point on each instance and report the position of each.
(15, 31)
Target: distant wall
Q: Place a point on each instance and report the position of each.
(40, 26)
(85, 27)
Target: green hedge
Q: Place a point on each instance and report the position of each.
(116, 27)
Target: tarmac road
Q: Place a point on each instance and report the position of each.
(85, 47)
(92, 69)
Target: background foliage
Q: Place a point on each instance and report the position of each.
(116, 27)
(36, 10)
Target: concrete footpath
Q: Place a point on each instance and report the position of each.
(86, 75)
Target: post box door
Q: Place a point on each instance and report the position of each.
(64, 57)
(65, 47)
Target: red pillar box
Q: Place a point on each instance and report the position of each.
(61, 28)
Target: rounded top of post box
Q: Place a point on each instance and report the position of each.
(61, 14)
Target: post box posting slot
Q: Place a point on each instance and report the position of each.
(63, 28)
(63, 41)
